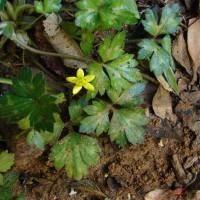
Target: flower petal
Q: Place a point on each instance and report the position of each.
(80, 73)
(89, 78)
(76, 89)
(71, 79)
(88, 86)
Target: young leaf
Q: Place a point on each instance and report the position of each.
(6, 161)
(112, 49)
(47, 6)
(2, 4)
(168, 24)
(161, 59)
(126, 125)
(101, 82)
(87, 39)
(122, 72)
(76, 152)
(28, 98)
(98, 115)
(35, 139)
(105, 14)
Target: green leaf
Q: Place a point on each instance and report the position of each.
(101, 82)
(76, 110)
(122, 72)
(87, 39)
(10, 179)
(35, 139)
(1, 179)
(98, 115)
(126, 125)
(6, 189)
(76, 152)
(69, 27)
(7, 29)
(128, 98)
(161, 59)
(104, 14)
(171, 79)
(147, 48)
(168, 24)
(28, 98)
(166, 44)
(42, 138)
(6, 161)
(47, 6)
(132, 7)
(112, 49)
(2, 4)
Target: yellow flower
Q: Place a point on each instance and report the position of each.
(81, 81)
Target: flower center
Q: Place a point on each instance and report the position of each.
(80, 81)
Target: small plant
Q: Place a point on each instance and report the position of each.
(159, 53)
(112, 104)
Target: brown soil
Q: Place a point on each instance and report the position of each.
(128, 173)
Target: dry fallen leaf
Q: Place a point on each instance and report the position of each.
(164, 194)
(164, 83)
(180, 53)
(62, 42)
(162, 104)
(193, 40)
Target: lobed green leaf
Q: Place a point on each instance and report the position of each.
(122, 72)
(168, 24)
(126, 124)
(98, 115)
(112, 49)
(28, 98)
(47, 6)
(76, 152)
(105, 14)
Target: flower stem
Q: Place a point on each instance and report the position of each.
(85, 60)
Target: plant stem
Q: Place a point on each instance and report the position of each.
(6, 81)
(149, 78)
(68, 9)
(32, 23)
(86, 60)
